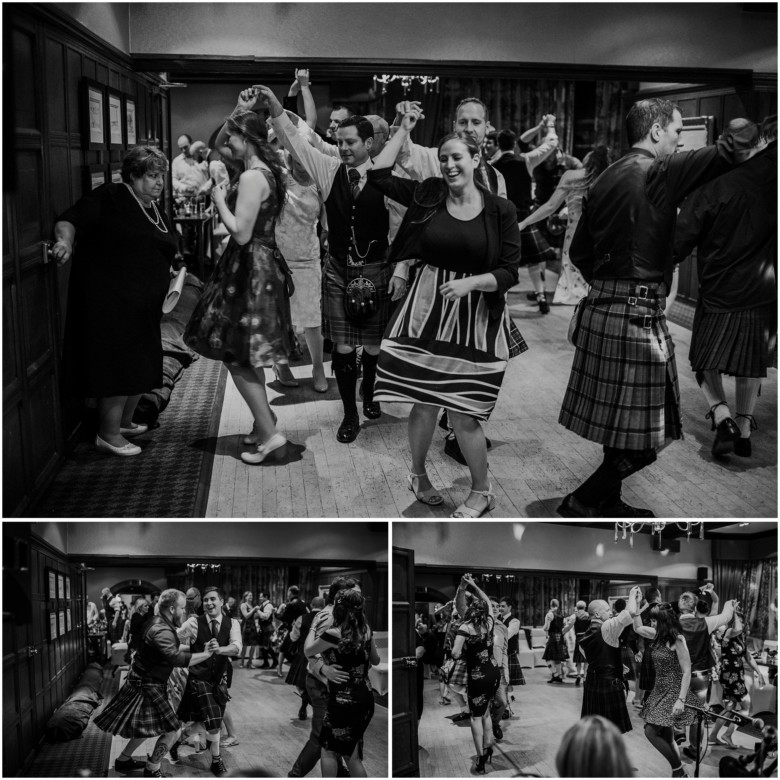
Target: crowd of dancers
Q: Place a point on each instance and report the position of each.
(667, 654)
(181, 673)
(422, 245)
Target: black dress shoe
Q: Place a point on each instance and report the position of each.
(531, 296)
(372, 410)
(727, 433)
(743, 447)
(348, 431)
(497, 733)
(573, 507)
(218, 768)
(460, 716)
(544, 307)
(620, 508)
(129, 765)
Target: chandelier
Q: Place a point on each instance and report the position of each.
(204, 567)
(406, 82)
(656, 527)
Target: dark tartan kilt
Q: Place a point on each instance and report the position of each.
(198, 704)
(534, 247)
(556, 649)
(739, 343)
(296, 675)
(623, 390)
(335, 325)
(606, 697)
(140, 709)
(516, 676)
(579, 656)
(646, 670)
(460, 675)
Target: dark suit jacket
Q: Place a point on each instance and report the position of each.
(502, 251)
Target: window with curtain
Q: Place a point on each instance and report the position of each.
(754, 584)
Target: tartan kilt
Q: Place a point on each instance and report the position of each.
(140, 709)
(555, 650)
(534, 247)
(199, 704)
(623, 390)
(738, 343)
(336, 276)
(516, 676)
(460, 674)
(606, 697)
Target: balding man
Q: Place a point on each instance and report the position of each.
(190, 176)
(604, 693)
(579, 622)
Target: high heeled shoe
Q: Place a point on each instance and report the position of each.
(285, 382)
(320, 386)
(264, 450)
(429, 496)
(485, 758)
(466, 511)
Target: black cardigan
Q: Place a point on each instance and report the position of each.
(502, 252)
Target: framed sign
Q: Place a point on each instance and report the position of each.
(62, 622)
(67, 588)
(52, 625)
(94, 176)
(114, 120)
(116, 173)
(61, 586)
(93, 130)
(52, 583)
(68, 623)
(130, 134)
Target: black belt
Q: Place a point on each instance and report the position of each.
(640, 298)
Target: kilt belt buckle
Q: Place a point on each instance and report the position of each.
(648, 322)
(639, 293)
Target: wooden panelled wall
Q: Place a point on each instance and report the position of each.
(38, 672)
(45, 60)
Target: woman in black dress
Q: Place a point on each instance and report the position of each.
(449, 342)
(555, 652)
(349, 642)
(124, 248)
(249, 639)
(475, 640)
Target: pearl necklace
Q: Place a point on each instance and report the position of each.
(164, 228)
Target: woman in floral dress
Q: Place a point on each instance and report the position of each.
(475, 640)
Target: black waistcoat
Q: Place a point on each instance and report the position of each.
(603, 659)
(354, 225)
(212, 668)
(148, 660)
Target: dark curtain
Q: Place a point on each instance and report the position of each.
(754, 584)
(427, 132)
(608, 129)
(512, 103)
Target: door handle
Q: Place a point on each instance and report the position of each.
(46, 251)
(31, 651)
(409, 663)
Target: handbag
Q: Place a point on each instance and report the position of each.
(360, 300)
(574, 322)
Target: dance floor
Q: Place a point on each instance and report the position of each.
(534, 461)
(542, 714)
(265, 718)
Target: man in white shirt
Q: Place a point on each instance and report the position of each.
(205, 696)
(190, 176)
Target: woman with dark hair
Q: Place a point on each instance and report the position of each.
(572, 188)
(349, 642)
(243, 316)
(475, 640)
(555, 651)
(734, 654)
(124, 248)
(449, 342)
(249, 638)
(665, 706)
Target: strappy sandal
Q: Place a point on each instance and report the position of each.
(429, 496)
(466, 511)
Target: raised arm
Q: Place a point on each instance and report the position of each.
(552, 205)
(387, 157)
(246, 102)
(309, 106)
(469, 580)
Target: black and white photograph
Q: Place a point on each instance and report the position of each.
(585, 649)
(238, 649)
(430, 260)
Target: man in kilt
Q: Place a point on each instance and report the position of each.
(603, 692)
(206, 696)
(501, 657)
(141, 708)
(623, 391)
(358, 242)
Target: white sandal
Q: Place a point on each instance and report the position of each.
(467, 511)
(431, 497)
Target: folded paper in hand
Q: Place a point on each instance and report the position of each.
(174, 291)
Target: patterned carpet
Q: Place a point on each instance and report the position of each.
(170, 478)
(86, 756)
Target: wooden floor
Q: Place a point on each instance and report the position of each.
(265, 717)
(542, 715)
(534, 461)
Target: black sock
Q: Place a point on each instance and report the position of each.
(601, 485)
(345, 369)
(369, 376)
